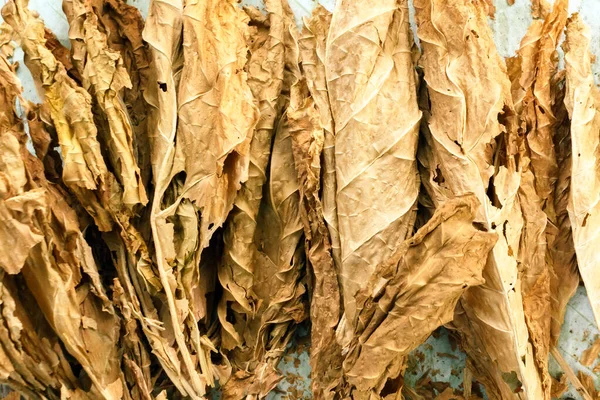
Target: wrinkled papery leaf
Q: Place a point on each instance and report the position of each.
(84, 168)
(539, 8)
(30, 348)
(201, 180)
(370, 76)
(415, 292)
(123, 25)
(279, 270)
(264, 228)
(565, 278)
(236, 273)
(215, 117)
(582, 100)
(104, 76)
(278, 259)
(472, 136)
(312, 44)
(533, 95)
(309, 116)
(59, 270)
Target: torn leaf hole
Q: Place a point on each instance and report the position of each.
(585, 219)
(438, 177)
(479, 226)
(162, 86)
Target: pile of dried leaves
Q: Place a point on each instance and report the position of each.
(194, 186)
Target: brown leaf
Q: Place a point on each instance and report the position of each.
(473, 137)
(265, 79)
(415, 292)
(370, 75)
(104, 76)
(582, 101)
(589, 355)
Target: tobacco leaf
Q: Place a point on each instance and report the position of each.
(265, 79)
(62, 54)
(30, 348)
(535, 274)
(278, 257)
(31, 357)
(71, 115)
(539, 139)
(278, 273)
(564, 279)
(84, 168)
(582, 101)
(60, 271)
(534, 97)
(589, 355)
(163, 33)
(123, 25)
(415, 292)
(310, 121)
(104, 204)
(104, 76)
(312, 46)
(472, 132)
(587, 382)
(215, 117)
(370, 76)
(44, 140)
(539, 9)
(559, 386)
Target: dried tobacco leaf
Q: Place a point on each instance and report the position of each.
(582, 100)
(123, 24)
(312, 46)
(236, 272)
(589, 355)
(59, 270)
(30, 348)
(370, 76)
(277, 259)
(537, 94)
(279, 270)
(163, 33)
(539, 9)
(215, 117)
(62, 54)
(84, 168)
(472, 135)
(311, 130)
(534, 97)
(104, 75)
(564, 279)
(415, 292)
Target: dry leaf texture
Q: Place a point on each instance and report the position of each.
(471, 149)
(414, 292)
(59, 270)
(311, 129)
(370, 76)
(70, 109)
(582, 101)
(104, 76)
(534, 99)
(265, 78)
